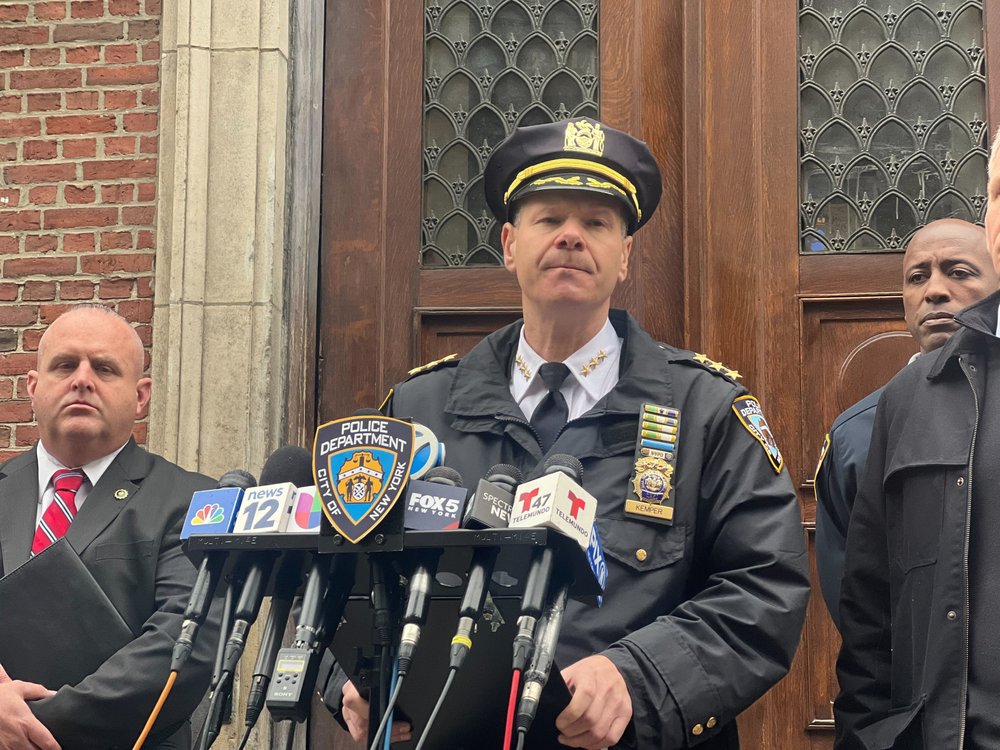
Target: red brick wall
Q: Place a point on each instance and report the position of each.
(79, 105)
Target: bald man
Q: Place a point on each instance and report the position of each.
(121, 509)
(920, 663)
(946, 267)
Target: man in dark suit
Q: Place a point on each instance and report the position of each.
(122, 514)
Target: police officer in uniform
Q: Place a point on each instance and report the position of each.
(707, 581)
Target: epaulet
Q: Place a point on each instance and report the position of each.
(716, 368)
(450, 361)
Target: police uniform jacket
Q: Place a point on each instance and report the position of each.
(701, 617)
(903, 667)
(837, 477)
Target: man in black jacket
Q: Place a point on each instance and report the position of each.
(700, 524)
(920, 665)
(946, 267)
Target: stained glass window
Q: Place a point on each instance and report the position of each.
(488, 68)
(892, 101)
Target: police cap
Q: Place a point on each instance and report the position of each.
(577, 154)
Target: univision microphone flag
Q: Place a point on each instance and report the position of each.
(360, 466)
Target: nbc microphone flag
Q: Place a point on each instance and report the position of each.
(212, 511)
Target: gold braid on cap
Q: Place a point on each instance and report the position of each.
(581, 165)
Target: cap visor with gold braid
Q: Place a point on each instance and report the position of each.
(578, 154)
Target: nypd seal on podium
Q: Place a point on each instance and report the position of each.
(360, 465)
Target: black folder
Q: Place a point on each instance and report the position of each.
(56, 623)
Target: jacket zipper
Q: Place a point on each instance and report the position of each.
(965, 565)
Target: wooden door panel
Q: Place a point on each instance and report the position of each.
(443, 332)
(850, 347)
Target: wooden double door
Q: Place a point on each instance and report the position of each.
(713, 87)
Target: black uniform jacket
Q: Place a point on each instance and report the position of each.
(837, 478)
(132, 548)
(700, 617)
(902, 667)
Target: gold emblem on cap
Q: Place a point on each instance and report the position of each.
(584, 136)
(121, 494)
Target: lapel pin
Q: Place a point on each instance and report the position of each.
(121, 494)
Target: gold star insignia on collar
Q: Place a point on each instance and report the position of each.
(588, 368)
(733, 374)
(703, 359)
(522, 367)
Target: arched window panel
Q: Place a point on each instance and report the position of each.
(862, 32)
(892, 98)
(965, 30)
(864, 105)
(816, 183)
(969, 182)
(920, 179)
(490, 66)
(814, 106)
(836, 70)
(895, 215)
(917, 28)
(951, 205)
(864, 241)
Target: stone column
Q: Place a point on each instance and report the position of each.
(219, 340)
(219, 365)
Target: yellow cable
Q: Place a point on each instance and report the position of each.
(156, 711)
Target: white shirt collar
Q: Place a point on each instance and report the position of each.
(998, 322)
(48, 465)
(594, 367)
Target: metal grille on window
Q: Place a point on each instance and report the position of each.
(488, 68)
(892, 102)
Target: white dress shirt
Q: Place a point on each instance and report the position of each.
(48, 465)
(593, 373)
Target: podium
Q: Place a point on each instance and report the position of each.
(472, 717)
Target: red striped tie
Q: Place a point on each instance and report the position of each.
(57, 517)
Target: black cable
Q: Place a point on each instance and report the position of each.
(520, 739)
(437, 708)
(210, 731)
(388, 712)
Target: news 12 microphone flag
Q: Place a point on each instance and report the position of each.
(360, 466)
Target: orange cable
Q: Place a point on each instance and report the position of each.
(156, 711)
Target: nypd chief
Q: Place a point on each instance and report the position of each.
(707, 583)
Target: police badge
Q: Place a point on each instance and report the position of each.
(651, 485)
(360, 466)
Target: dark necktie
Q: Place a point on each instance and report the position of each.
(551, 415)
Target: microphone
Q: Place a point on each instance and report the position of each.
(282, 467)
(296, 464)
(436, 502)
(329, 583)
(445, 499)
(542, 660)
(556, 501)
(492, 493)
(493, 500)
(227, 495)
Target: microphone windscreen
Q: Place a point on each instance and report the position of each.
(237, 478)
(567, 464)
(289, 463)
(506, 473)
(444, 475)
